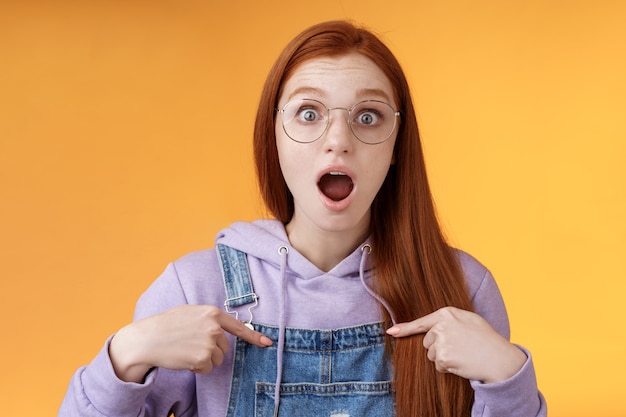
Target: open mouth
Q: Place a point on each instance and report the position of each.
(336, 185)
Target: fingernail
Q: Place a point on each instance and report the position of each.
(266, 341)
(393, 331)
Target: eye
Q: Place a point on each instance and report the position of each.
(307, 114)
(306, 111)
(368, 118)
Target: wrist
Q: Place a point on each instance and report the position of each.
(125, 357)
(507, 366)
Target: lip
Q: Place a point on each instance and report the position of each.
(332, 204)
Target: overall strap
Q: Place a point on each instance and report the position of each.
(237, 280)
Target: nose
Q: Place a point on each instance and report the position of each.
(338, 137)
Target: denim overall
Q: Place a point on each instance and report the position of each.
(325, 373)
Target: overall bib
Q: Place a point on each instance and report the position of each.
(325, 373)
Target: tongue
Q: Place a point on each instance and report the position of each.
(336, 187)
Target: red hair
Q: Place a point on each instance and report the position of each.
(416, 270)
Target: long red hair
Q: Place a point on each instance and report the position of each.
(416, 270)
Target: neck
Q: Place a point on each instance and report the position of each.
(324, 249)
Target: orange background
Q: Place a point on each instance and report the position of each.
(125, 142)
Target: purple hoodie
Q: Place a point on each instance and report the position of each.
(314, 300)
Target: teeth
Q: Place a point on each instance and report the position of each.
(336, 173)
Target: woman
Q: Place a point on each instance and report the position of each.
(353, 303)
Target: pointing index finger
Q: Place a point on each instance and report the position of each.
(417, 326)
(241, 330)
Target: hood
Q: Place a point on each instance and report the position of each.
(263, 238)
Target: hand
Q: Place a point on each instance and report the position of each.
(463, 343)
(190, 337)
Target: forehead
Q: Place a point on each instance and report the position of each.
(345, 77)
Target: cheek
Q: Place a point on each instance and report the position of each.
(383, 158)
(393, 151)
(292, 164)
(282, 147)
(386, 156)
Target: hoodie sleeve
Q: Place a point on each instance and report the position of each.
(519, 395)
(95, 390)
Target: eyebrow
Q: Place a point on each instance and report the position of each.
(368, 93)
(363, 94)
(307, 90)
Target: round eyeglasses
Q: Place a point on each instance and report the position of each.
(306, 120)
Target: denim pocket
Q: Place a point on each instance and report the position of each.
(346, 399)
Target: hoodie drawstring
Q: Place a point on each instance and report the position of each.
(366, 249)
(282, 320)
